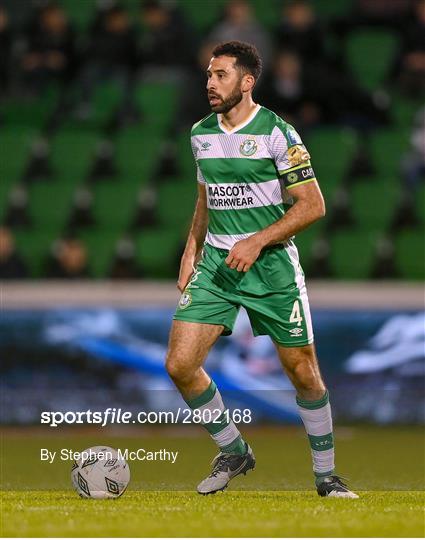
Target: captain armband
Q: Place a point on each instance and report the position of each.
(302, 174)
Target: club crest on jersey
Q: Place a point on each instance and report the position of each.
(248, 147)
(185, 300)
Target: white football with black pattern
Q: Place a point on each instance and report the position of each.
(101, 473)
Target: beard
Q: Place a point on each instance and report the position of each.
(231, 101)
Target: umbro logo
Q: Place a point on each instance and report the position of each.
(205, 146)
(296, 332)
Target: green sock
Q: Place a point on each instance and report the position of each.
(222, 429)
(317, 419)
(238, 446)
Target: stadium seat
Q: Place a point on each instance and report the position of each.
(351, 253)
(185, 156)
(378, 47)
(15, 141)
(410, 253)
(114, 203)
(50, 217)
(305, 240)
(387, 148)
(177, 201)
(153, 155)
(202, 19)
(72, 150)
(368, 213)
(100, 245)
(34, 246)
(157, 252)
(158, 104)
(420, 204)
(331, 150)
(32, 112)
(267, 13)
(136, 152)
(80, 12)
(326, 9)
(404, 110)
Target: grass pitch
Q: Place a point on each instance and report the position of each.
(231, 513)
(385, 465)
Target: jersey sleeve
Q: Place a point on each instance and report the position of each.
(291, 157)
(199, 175)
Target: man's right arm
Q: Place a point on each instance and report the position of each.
(195, 240)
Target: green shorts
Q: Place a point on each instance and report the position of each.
(273, 293)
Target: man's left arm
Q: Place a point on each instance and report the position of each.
(308, 207)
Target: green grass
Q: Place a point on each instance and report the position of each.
(385, 466)
(232, 513)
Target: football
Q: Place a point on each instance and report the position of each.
(100, 473)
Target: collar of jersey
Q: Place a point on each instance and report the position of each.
(239, 126)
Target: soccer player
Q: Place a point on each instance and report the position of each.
(256, 190)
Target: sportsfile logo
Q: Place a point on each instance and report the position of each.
(118, 416)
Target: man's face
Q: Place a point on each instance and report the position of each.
(224, 84)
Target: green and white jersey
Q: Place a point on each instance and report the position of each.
(247, 172)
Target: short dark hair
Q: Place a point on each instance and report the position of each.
(247, 57)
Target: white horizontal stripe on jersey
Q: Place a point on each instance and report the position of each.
(225, 241)
(239, 145)
(241, 195)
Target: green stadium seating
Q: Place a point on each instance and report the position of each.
(373, 201)
(352, 253)
(100, 245)
(158, 103)
(267, 13)
(330, 8)
(50, 217)
(80, 12)
(305, 240)
(140, 147)
(177, 200)
(404, 110)
(34, 246)
(114, 202)
(420, 204)
(157, 251)
(106, 100)
(202, 16)
(387, 148)
(370, 53)
(15, 141)
(331, 151)
(410, 250)
(185, 156)
(30, 111)
(137, 149)
(72, 151)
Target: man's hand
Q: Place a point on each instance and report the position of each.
(244, 254)
(186, 271)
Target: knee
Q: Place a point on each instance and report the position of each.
(307, 379)
(177, 370)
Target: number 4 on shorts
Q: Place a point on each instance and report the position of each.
(296, 314)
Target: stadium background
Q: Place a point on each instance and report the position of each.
(97, 187)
